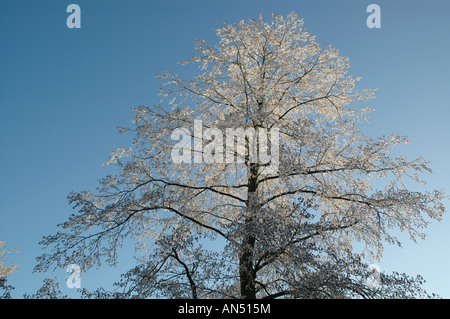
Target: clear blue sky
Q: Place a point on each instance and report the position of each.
(63, 92)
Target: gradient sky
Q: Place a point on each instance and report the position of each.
(63, 92)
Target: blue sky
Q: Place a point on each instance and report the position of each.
(63, 92)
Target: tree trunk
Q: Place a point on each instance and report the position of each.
(246, 268)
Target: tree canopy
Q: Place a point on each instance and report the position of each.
(232, 229)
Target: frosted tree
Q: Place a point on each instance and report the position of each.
(5, 271)
(208, 227)
(49, 290)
